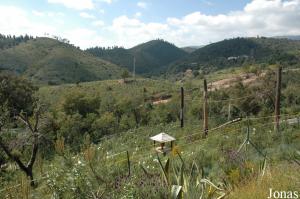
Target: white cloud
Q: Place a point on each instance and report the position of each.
(19, 23)
(98, 23)
(106, 1)
(138, 14)
(101, 11)
(84, 37)
(259, 17)
(38, 13)
(131, 31)
(49, 14)
(86, 15)
(142, 4)
(75, 4)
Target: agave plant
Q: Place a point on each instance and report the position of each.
(189, 184)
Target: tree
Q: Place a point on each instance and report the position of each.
(20, 106)
(125, 75)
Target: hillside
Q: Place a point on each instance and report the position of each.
(117, 55)
(238, 52)
(99, 144)
(49, 61)
(151, 57)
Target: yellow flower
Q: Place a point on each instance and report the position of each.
(176, 150)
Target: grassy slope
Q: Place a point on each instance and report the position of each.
(207, 153)
(47, 60)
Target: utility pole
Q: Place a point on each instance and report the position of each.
(205, 110)
(133, 68)
(277, 100)
(181, 110)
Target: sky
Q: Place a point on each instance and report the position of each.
(88, 23)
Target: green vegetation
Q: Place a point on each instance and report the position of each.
(151, 57)
(240, 52)
(10, 41)
(50, 61)
(91, 139)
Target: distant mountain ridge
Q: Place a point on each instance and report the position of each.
(53, 61)
(190, 49)
(291, 37)
(238, 52)
(151, 57)
(50, 61)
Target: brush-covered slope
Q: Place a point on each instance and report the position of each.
(151, 57)
(49, 61)
(238, 52)
(117, 55)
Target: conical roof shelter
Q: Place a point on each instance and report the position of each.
(162, 138)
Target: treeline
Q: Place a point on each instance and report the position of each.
(8, 41)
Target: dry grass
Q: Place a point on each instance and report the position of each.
(284, 177)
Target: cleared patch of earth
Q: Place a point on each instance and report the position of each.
(245, 79)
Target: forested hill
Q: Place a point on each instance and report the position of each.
(8, 41)
(51, 61)
(151, 57)
(240, 52)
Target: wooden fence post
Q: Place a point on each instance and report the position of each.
(128, 163)
(277, 100)
(181, 109)
(205, 110)
(229, 111)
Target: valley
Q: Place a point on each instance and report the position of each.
(92, 120)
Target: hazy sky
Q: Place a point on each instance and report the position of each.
(126, 23)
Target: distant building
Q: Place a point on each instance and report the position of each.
(188, 73)
(238, 57)
(232, 58)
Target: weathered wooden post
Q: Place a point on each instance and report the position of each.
(128, 163)
(229, 111)
(205, 110)
(181, 109)
(277, 100)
